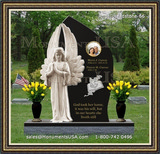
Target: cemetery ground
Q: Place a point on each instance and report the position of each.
(138, 113)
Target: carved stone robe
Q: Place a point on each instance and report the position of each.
(57, 77)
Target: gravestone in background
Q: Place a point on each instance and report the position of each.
(143, 87)
(21, 101)
(89, 99)
(137, 100)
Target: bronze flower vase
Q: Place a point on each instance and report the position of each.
(121, 109)
(36, 110)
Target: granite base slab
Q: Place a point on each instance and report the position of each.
(47, 127)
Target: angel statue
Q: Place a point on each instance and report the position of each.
(61, 69)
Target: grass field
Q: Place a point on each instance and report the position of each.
(17, 65)
(139, 114)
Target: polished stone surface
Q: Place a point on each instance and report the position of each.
(93, 108)
(47, 127)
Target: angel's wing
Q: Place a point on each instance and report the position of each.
(75, 62)
(71, 54)
(76, 69)
(52, 45)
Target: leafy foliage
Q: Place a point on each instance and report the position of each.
(113, 27)
(46, 22)
(135, 78)
(121, 21)
(116, 42)
(145, 60)
(36, 76)
(16, 36)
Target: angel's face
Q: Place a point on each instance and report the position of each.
(58, 56)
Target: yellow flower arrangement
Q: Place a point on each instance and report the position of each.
(44, 87)
(120, 90)
(25, 86)
(24, 89)
(117, 91)
(129, 86)
(117, 83)
(42, 94)
(109, 88)
(121, 83)
(135, 86)
(36, 91)
(32, 83)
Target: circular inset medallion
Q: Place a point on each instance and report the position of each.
(93, 49)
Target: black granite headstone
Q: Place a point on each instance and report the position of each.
(89, 99)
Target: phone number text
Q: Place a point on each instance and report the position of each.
(113, 136)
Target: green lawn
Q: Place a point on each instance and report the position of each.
(18, 65)
(139, 114)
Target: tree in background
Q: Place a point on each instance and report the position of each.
(17, 28)
(22, 23)
(145, 60)
(36, 53)
(116, 42)
(112, 26)
(115, 24)
(131, 62)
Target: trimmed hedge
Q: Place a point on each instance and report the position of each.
(35, 76)
(135, 78)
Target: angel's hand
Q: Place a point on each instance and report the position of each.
(66, 73)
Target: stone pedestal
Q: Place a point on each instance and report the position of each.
(47, 127)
